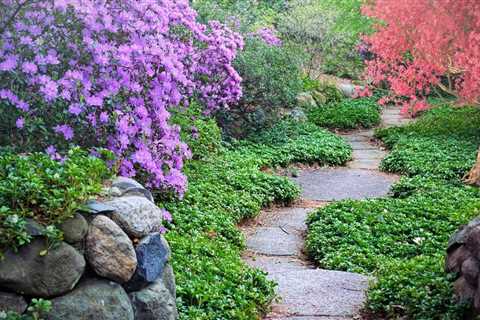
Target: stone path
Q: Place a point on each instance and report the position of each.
(275, 239)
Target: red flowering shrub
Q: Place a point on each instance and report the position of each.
(421, 44)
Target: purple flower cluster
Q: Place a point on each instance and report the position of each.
(268, 35)
(115, 68)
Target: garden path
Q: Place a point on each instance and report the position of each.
(275, 239)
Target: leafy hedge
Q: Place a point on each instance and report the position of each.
(347, 114)
(224, 188)
(402, 240)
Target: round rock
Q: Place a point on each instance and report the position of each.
(125, 183)
(128, 186)
(137, 216)
(460, 237)
(470, 270)
(93, 299)
(74, 229)
(155, 302)
(306, 100)
(455, 259)
(27, 272)
(152, 252)
(12, 302)
(109, 250)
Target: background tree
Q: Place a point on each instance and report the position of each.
(423, 45)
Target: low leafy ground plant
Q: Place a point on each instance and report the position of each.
(292, 142)
(225, 188)
(48, 191)
(347, 114)
(402, 240)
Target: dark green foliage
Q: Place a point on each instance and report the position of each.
(447, 158)
(290, 142)
(359, 235)
(419, 283)
(35, 186)
(441, 122)
(443, 143)
(402, 240)
(271, 74)
(271, 82)
(348, 114)
(225, 188)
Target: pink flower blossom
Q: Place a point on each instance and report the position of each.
(20, 123)
(29, 67)
(65, 130)
(9, 63)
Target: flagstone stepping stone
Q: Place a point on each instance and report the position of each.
(288, 218)
(308, 291)
(275, 241)
(343, 183)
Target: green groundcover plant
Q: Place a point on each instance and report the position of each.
(347, 114)
(48, 191)
(401, 240)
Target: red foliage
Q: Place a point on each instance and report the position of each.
(419, 44)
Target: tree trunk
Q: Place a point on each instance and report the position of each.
(473, 177)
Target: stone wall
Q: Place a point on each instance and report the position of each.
(113, 263)
(463, 259)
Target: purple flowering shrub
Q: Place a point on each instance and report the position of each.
(268, 35)
(106, 74)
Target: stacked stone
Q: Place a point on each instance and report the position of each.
(463, 259)
(113, 263)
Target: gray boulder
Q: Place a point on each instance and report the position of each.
(27, 272)
(319, 97)
(34, 228)
(93, 299)
(297, 114)
(12, 302)
(125, 183)
(152, 252)
(349, 90)
(168, 278)
(306, 100)
(460, 237)
(109, 250)
(94, 207)
(74, 229)
(126, 186)
(155, 302)
(137, 216)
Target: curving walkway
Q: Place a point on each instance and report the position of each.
(275, 239)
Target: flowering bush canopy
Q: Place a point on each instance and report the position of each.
(420, 44)
(105, 74)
